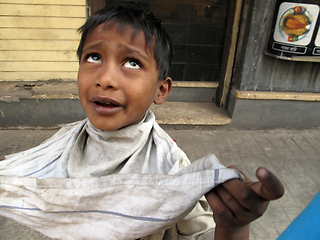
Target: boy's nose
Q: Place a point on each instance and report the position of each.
(108, 77)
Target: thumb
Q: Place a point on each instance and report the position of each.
(270, 188)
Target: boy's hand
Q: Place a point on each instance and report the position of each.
(235, 203)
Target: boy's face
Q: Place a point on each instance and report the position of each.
(118, 78)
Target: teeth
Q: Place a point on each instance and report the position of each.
(105, 104)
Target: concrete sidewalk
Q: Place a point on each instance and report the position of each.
(293, 155)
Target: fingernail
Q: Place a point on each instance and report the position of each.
(262, 172)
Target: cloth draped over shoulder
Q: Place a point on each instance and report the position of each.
(132, 183)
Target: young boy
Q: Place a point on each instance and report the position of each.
(120, 154)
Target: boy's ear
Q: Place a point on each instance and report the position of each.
(164, 88)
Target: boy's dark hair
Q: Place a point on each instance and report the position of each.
(140, 20)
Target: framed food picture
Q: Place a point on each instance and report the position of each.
(296, 23)
(295, 32)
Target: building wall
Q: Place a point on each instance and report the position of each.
(259, 72)
(267, 92)
(38, 39)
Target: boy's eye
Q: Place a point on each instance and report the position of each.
(133, 64)
(94, 58)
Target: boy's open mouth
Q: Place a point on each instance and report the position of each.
(105, 104)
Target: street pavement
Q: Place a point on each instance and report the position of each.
(293, 155)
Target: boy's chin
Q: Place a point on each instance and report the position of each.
(113, 123)
(104, 127)
(109, 127)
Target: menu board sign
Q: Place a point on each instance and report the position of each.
(296, 32)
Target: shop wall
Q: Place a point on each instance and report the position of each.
(257, 72)
(38, 39)
(268, 92)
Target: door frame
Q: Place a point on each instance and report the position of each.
(230, 46)
(229, 53)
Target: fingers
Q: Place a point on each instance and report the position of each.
(246, 196)
(227, 212)
(217, 205)
(246, 179)
(271, 188)
(232, 208)
(236, 203)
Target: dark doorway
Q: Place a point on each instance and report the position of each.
(197, 29)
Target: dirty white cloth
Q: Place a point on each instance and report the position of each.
(126, 184)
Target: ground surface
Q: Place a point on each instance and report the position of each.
(293, 155)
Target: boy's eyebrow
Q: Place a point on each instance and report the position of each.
(124, 48)
(94, 46)
(134, 51)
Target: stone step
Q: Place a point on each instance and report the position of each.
(193, 92)
(51, 103)
(190, 113)
(55, 89)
